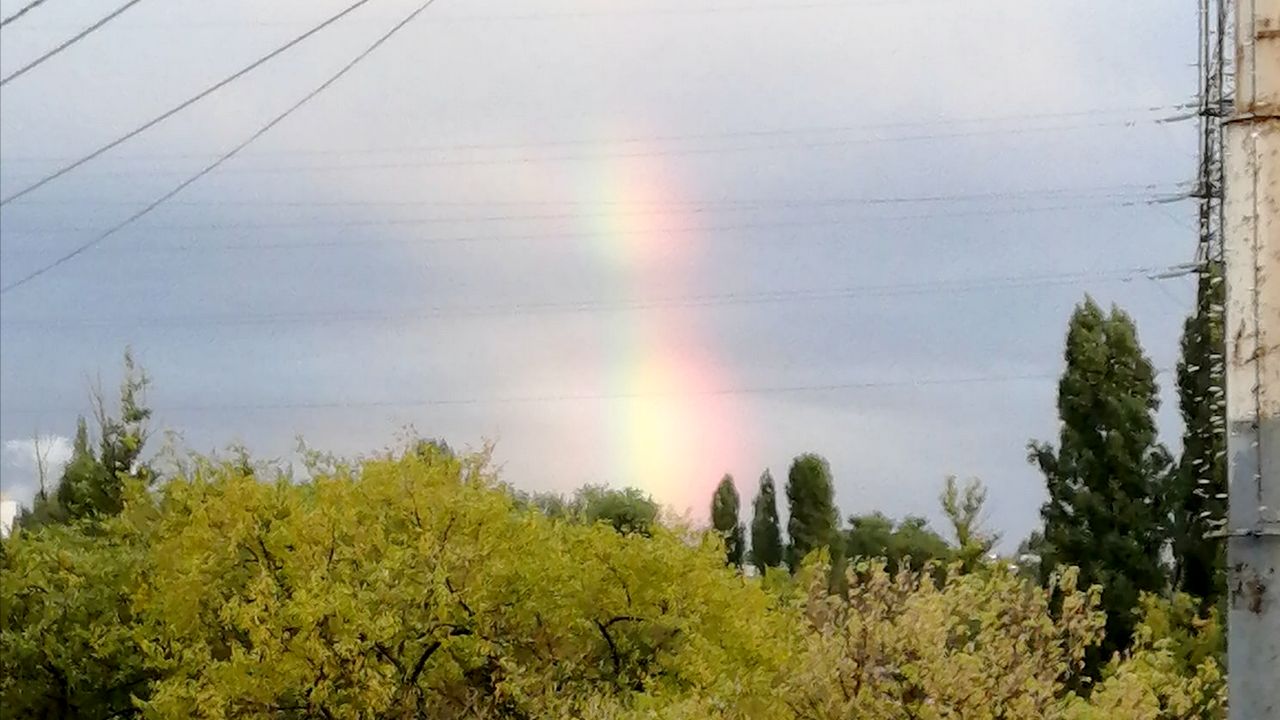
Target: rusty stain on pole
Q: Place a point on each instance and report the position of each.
(1252, 251)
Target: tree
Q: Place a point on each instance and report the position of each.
(414, 585)
(1197, 497)
(911, 645)
(964, 508)
(68, 643)
(1105, 478)
(92, 484)
(404, 588)
(910, 543)
(629, 510)
(724, 518)
(122, 439)
(813, 522)
(45, 507)
(1175, 670)
(766, 532)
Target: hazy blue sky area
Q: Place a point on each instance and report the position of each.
(633, 241)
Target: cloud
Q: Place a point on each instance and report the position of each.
(22, 460)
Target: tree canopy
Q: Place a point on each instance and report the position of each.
(812, 522)
(1106, 476)
(766, 532)
(910, 543)
(416, 586)
(724, 518)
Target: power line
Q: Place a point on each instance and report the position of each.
(25, 9)
(624, 154)
(694, 10)
(705, 207)
(184, 104)
(585, 397)
(1137, 188)
(682, 10)
(225, 157)
(68, 43)
(633, 139)
(707, 230)
(592, 306)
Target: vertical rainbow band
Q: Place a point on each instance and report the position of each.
(670, 431)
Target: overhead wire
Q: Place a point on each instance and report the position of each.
(401, 164)
(226, 156)
(338, 404)
(682, 137)
(63, 170)
(22, 11)
(685, 9)
(707, 230)
(67, 43)
(1149, 194)
(593, 306)
(1170, 187)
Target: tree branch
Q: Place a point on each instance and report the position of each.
(608, 638)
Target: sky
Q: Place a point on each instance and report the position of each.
(635, 242)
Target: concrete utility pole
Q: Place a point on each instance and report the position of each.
(1252, 249)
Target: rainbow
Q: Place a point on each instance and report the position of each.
(668, 431)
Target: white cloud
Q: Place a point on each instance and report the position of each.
(22, 460)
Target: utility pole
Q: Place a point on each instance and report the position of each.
(1214, 105)
(1252, 250)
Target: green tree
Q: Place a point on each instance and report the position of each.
(415, 585)
(813, 521)
(725, 505)
(1105, 478)
(92, 483)
(408, 588)
(910, 543)
(68, 636)
(45, 507)
(628, 511)
(766, 532)
(1197, 497)
(122, 438)
(1175, 670)
(965, 509)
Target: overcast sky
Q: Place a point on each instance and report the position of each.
(638, 242)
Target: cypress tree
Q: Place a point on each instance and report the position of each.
(1197, 498)
(724, 518)
(813, 521)
(1105, 479)
(766, 533)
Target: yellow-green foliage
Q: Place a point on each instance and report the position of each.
(1173, 672)
(66, 644)
(413, 588)
(980, 645)
(416, 587)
